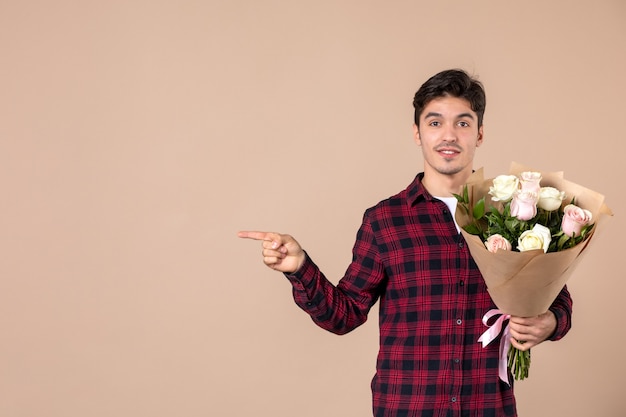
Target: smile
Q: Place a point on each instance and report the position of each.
(448, 151)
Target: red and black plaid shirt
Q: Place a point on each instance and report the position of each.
(432, 296)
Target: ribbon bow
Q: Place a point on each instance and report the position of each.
(505, 341)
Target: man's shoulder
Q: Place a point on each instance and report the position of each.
(402, 198)
(394, 200)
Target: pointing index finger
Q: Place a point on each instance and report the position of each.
(246, 234)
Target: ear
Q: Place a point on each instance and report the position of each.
(479, 140)
(416, 135)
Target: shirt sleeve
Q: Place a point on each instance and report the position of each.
(562, 309)
(343, 307)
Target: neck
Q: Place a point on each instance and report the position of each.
(445, 185)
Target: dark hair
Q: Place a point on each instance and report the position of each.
(453, 83)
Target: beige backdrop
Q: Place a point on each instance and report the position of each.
(137, 138)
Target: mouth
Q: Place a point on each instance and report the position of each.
(448, 152)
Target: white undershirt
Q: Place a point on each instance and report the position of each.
(451, 203)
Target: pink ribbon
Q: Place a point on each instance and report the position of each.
(505, 341)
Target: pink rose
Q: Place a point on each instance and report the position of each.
(495, 242)
(529, 181)
(574, 219)
(524, 205)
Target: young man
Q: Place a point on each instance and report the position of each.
(410, 255)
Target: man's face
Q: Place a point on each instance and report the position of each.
(449, 135)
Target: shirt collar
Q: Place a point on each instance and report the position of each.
(416, 191)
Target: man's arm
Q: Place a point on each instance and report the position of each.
(337, 308)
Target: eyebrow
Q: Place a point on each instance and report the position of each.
(458, 116)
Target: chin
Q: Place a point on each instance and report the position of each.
(449, 170)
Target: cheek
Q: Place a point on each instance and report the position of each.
(473, 139)
(471, 150)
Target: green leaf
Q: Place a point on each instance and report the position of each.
(562, 241)
(464, 198)
(511, 224)
(479, 209)
(472, 229)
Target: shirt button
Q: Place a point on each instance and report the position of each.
(453, 399)
(459, 321)
(461, 283)
(457, 360)
(461, 245)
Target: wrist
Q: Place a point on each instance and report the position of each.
(300, 261)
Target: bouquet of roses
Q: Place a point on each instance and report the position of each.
(526, 232)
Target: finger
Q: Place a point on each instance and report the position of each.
(274, 245)
(521, 321)
(522, 345)
(521, 335)
(516, 326)
(247, 234)
(527, 321)
(515, 334)
(272, 261)
(280, 253)
(276, 239)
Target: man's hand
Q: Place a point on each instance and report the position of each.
(527, 332)
(280, 252)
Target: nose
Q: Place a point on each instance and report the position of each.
(449, 133)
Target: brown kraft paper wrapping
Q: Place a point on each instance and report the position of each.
(525, 284)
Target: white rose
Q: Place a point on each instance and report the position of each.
(504, 187)
(537, 238)
(550, 198)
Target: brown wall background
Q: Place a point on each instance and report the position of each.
(137, 137)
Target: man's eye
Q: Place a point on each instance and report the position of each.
(434, 123)
(464, 124)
